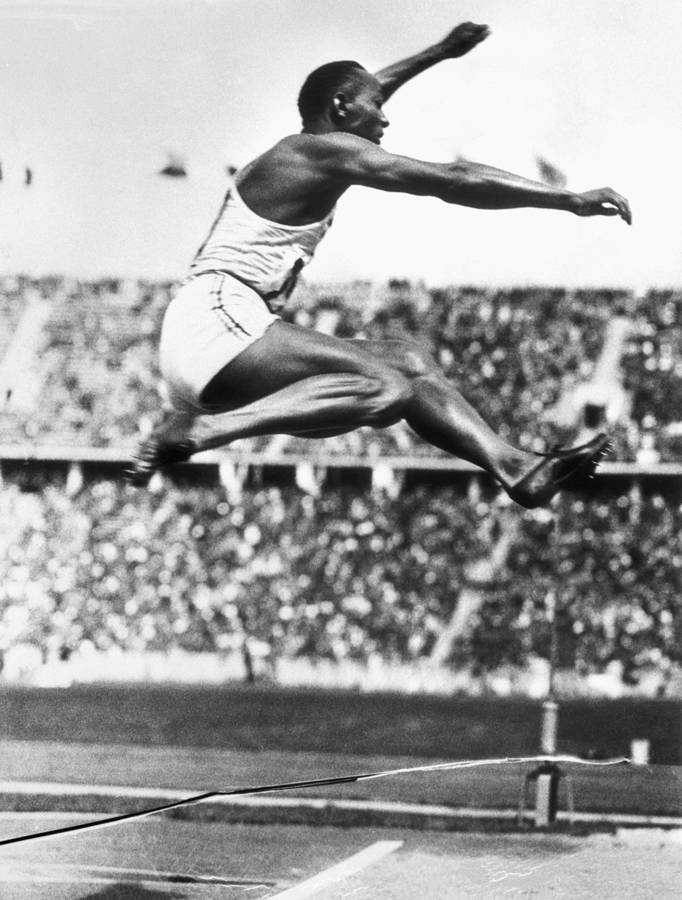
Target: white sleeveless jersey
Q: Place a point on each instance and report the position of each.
(265, 255)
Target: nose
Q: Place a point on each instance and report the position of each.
(384, 121)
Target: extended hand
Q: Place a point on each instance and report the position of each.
(602, 202)
(463, 38)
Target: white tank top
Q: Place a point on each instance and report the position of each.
(265, 255)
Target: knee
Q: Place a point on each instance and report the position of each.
(386, 399)
(415, 360)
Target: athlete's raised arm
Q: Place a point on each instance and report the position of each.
(456, 43)
(358, 161)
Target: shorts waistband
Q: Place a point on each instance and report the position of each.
(226, 272)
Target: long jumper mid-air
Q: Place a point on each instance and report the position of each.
(224, 350)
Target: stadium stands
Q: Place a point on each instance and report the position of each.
(352, 573)
(348, 575)
(518, 350)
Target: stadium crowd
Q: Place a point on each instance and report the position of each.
(345, 575)
(348, 573)
(513, 353)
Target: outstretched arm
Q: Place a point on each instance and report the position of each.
(485, 187)
(459, 41)
(349, 160)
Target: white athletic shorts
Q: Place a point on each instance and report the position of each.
(209, 321)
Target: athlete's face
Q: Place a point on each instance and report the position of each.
(364, 114)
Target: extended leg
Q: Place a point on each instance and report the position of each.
(440, 415)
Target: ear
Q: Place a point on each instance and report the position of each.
(339, 107)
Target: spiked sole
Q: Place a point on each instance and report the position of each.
(153, 455)
(573, 478)
(582, 477)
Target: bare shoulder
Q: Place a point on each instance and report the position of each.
(316, 146)
(319, 156)
(301, 177)
(328, 164)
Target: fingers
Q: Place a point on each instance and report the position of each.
(625, 211)
(622, 207)
(604, 202)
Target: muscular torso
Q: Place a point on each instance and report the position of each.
(290, 183)
(274, 216)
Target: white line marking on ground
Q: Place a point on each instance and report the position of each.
(24, 788)
(341, 870)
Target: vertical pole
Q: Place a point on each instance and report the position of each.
(543, 793)
(553, 643)
(550, 721)
(550, 708)
(547, 783)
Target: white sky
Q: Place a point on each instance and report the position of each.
(95, 93)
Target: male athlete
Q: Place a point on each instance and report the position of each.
(225, 351)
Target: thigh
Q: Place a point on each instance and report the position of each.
(407, 357)
(286, 354)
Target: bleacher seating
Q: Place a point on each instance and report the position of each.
(346, 574)
(512, 353)
(343, 576)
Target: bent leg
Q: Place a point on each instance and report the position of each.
(281, 384)
(432, 407)
(298, 381)
(287, 354)
(291, 380)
